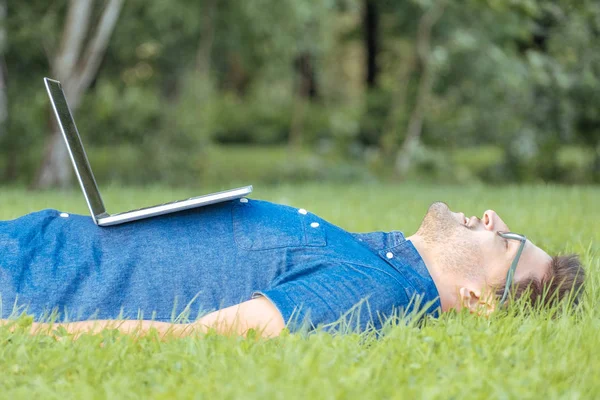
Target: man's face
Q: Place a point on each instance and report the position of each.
(470, 247)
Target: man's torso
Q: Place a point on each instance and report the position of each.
(200, 260)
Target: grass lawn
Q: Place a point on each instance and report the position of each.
(456, 356)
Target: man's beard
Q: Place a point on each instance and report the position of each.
(450, 242)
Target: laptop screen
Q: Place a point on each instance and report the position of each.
(76, 151)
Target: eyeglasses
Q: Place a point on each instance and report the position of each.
(511, 271)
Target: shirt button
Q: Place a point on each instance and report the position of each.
(64, 215)
(315, 224)
(302, 211)
(243, 200)
(389, 254)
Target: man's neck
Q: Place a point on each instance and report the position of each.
(444, 283)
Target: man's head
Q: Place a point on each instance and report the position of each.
(469, 261)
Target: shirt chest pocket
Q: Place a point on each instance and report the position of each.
(262, 226)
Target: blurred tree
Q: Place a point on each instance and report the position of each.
(372, 41)
(305, 91)
(3, 97)
(423, 51)
(207, 37)
(575, 44)
(75, 64)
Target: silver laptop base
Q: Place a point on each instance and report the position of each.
(174, 206)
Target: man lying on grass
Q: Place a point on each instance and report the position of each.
(249, 264)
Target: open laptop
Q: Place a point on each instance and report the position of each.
(88, 182)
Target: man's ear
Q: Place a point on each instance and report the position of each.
(475, 302)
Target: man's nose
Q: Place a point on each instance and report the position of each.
(492, 222)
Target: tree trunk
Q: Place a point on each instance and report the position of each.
(238, 79)
(415, 124)
(596, 166)
(3, 96)
(306, 89)
(398, 105)
(371, 41)
(56, 170)
(76, 68)
(307, 76)
(207, 36)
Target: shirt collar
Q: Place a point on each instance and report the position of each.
(403, 256)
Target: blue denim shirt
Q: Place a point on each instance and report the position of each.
(205, 259)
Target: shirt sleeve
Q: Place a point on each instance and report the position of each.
(338, 297)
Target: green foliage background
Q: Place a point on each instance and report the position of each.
(515, 96)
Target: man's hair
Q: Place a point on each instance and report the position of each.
(564, 281)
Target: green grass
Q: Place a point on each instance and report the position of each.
(456, 356)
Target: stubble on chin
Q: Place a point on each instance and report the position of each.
(452, 250)
(438, 224)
